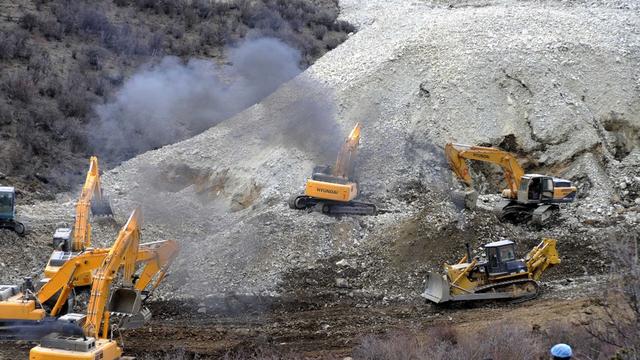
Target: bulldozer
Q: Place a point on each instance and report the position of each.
(120, 307)
(8, 218)
(531, 198)
(499, 275)
(332, 190)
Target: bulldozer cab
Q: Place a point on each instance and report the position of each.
(501, 258)
(7, 203)
(536, 189)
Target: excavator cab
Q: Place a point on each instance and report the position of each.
(501, 259)
(535, 189)
(8, 210)
(7, 203)
(541, 189)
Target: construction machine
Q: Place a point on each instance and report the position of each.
(105, 306)
(24, 307)
(499, 275)
(69, 242)
(8, 218)
(332, 190)
(91, 199)
(530, 197)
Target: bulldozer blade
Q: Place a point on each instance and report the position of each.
(437, 288)
(101, 207)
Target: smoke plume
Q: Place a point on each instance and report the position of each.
(172, 100)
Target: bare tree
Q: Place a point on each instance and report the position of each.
(619, 325)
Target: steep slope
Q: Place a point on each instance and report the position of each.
(557, 83)
(551, 79)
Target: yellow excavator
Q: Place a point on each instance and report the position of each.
(69, 242)
(333, 190)
(24, 307)
(106, 309)
(530, 197)
(499, 275)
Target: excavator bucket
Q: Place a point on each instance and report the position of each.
(126, 306)
(437, 288)
(101, 207)
(467, 199)
(125, 301)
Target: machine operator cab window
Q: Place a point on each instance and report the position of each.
(6, 202)
(501, 258)
(535, 188)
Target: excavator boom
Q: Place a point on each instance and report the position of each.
(347, 154)
(92, 199)
(457, 154)
(123, 254)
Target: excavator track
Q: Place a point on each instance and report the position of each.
(14, 226)
(301, 202)
(521, 214)
(516, 213)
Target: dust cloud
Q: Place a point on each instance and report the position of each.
(173, 100)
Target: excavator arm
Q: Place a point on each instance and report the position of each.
(542, 257)
(91, 199)
(457, 155)
(348, 152)
(123, 254)
(157, 257)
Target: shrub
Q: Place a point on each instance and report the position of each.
(7, 46)
(214, 33)
(29, 21)
(51, 29)
(333, 39)
(15, 45)
(39, 66)
(95, 57)
(156, 43)
(74, 101)
(19, 85)
(51, 87)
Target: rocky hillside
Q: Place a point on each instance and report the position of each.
(554, 82)
(60, 60)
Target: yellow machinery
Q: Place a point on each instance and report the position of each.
(332, 190)
(24, 307)
(530, 197)
(69, 242)
(105, 306)
(499, 275)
